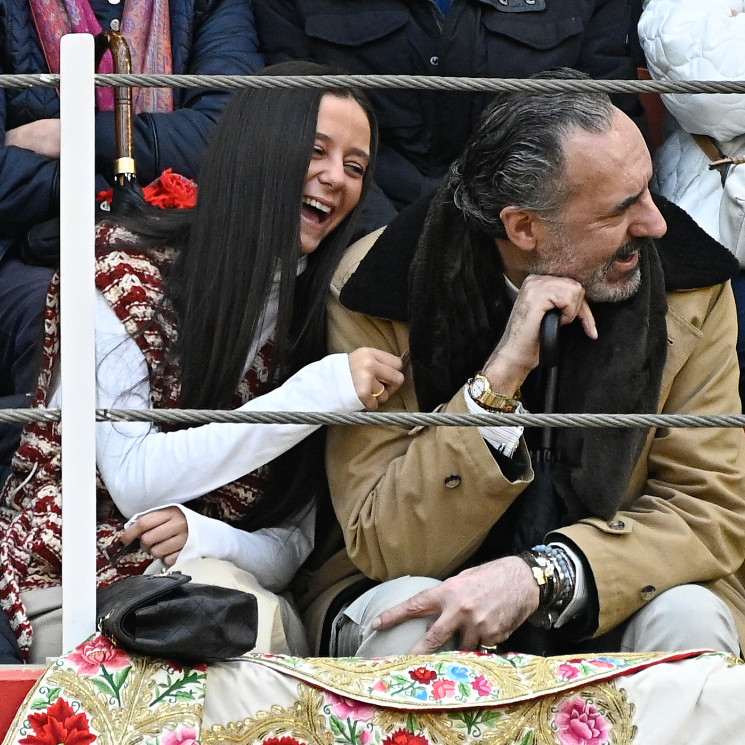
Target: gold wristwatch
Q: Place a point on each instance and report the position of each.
(480, 391)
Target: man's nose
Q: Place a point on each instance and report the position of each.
(648, 221)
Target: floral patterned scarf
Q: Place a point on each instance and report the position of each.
(146, 27)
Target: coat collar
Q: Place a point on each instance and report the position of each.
(379, 287)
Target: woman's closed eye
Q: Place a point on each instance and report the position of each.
(355, 169)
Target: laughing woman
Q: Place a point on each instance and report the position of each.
(218, 308)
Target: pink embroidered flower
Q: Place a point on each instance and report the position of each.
(422, 675)
(578, 722)
(481, 685)
(381, 686)
(90, 655)
(604, 664)
(443, 688)
(183, 736)
(59, 725)
(346, 707)
(364, 737)
(567, 671)
(404, 737)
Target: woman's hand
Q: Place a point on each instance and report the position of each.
(376, 375)
(162, 533)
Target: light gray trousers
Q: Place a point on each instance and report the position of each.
(684, 617)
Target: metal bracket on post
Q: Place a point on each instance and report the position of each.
(77, 352)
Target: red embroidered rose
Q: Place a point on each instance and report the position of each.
(422, 675)
(59, 725)
(404, 737)
(282, 741)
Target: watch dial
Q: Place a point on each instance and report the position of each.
(477, 388)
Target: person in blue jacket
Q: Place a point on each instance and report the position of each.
(195, 37)
(421, 131)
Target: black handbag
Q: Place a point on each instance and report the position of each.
(167, 616)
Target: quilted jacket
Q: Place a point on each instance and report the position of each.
(207, 37)
(694, 40)
(423, 132)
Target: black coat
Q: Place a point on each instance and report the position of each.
(423, 132)
(207, 36)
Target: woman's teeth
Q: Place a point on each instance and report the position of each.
(315, 204)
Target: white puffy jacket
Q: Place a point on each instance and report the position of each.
(696, 40)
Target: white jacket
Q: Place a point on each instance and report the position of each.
(696, 40)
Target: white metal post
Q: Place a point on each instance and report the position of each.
(77, 353)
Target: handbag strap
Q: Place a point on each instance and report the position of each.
(719, 161)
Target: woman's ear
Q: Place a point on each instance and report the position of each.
(521, 226)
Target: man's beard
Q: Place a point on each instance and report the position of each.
(598, 288)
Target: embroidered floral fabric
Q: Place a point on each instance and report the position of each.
(100, 692)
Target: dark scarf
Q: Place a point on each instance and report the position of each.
(446, 280)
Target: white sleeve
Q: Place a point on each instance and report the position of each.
(698, 40)
(273, 555)
(144, 468)
(504, 439)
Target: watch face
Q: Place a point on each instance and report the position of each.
(478, 387)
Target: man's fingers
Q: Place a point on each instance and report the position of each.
(588, 320)
(438, 634)
(423, 604)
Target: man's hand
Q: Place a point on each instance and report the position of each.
(484, 605)
(41, 136)
(162, 533)
(518, 350)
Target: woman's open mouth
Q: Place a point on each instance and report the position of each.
(315, 211)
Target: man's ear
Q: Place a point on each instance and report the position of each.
(522, 227)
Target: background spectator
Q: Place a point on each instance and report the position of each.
(422, 132)
(171, 130)
(690, 40)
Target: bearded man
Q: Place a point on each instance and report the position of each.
(641, 538)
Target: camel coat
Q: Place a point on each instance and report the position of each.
(421, 502)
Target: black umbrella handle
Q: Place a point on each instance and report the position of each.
(549, 345)
(549, 338)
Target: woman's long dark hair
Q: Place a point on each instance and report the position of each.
(246, 227)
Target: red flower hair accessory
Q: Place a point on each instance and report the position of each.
(170, 190)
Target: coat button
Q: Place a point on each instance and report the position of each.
(616, 524)
(452, 481)
(434, 61)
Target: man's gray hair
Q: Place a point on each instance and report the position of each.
(516, 156)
